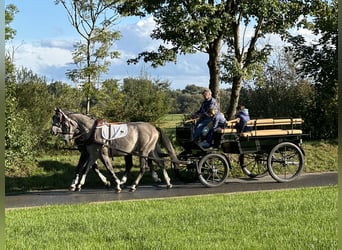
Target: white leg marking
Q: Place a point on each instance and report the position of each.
(155, 176)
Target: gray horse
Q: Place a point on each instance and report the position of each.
(140, 139)
(82, 163)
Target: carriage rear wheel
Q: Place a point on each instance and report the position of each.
(213, 170)
(256, 165)
(285, 162)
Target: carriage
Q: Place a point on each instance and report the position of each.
(273, 147)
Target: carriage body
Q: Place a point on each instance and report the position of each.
(272, 146)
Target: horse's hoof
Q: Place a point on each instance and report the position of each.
(169, 186)
(118, 191)
(72, 189)
(132, 190)
(108, 184)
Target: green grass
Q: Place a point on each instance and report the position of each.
(321, 155)
(288, 219)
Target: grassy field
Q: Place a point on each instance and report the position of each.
(288, 219)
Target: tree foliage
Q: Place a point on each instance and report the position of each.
(10, 12)
(145, 100)
(283, 93)
(319, 61)
(19, 144)
(109, 101)
(207, 26)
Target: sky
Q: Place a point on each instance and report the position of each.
(44, 43)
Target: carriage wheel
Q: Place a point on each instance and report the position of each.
(285, 162)
(256, 164)
(213, 170)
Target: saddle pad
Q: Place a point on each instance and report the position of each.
(113, 131)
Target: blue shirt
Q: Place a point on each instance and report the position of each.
(219, 121)
(244, 118)
(206, 105)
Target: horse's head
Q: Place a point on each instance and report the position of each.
(62, 124)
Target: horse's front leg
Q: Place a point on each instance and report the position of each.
(100, 175)
(143, 165)
(107, 162)
(128, 167)
(82, 162)
(89, 163)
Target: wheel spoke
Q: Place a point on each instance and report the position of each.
(213, 170)
(285, 162)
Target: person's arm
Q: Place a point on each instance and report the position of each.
(215, 124)
(233, 122)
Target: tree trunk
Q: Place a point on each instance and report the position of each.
(234, 98)
(214, 68)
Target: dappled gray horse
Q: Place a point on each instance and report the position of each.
(82, 163)
(136, 138)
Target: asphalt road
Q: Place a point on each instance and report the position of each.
(55, 197)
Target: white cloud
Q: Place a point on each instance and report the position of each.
(39, 56)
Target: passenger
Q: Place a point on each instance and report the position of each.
(242, 117)
(218, 122)
(202, 115)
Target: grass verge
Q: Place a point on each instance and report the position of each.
(287, 219)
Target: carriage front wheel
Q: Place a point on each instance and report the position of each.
(213, 170)
(285, 162)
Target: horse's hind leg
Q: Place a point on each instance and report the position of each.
(153, 171)
(128, 167)
(143, 164)
(161, 164)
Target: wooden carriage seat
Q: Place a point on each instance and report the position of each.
(267, 132)
(275, 124)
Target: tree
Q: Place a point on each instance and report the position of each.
(19, 143)
(283, 93)
(109, 101)
(64, 96)
(33, 97)
(145, 100)
(93, 21)
(206, 26)
(319, 61)
(10, 11)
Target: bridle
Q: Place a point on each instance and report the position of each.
(64, 123)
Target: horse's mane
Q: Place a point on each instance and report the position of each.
(68, 112)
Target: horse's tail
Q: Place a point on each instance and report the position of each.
(168, 146)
